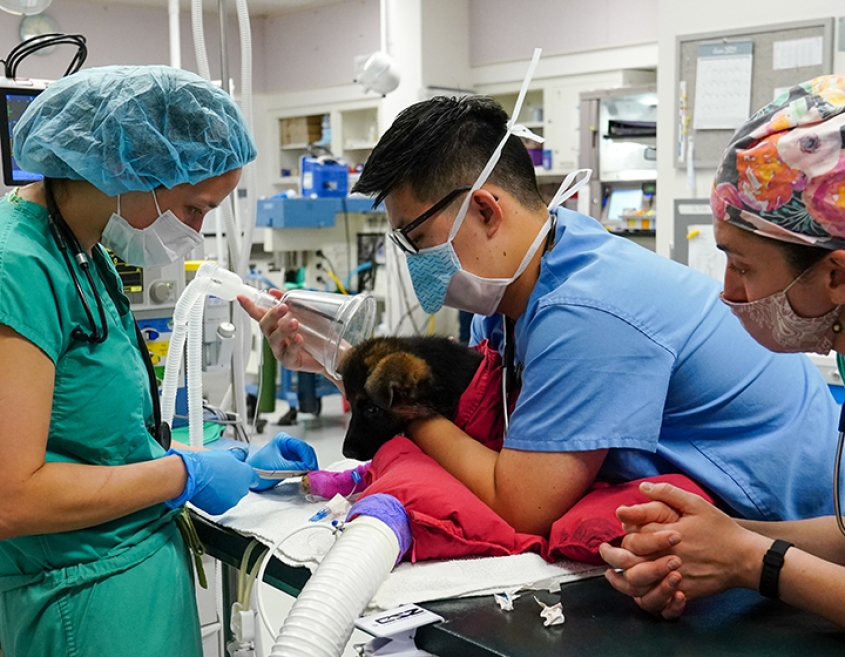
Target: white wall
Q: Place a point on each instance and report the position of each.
(122, 34)
(303, 61)
(316, 48)
(504, 30)
(676, 18)
(444, 31)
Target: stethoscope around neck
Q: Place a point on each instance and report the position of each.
(837, 509)
(511, 375)
(65, 240)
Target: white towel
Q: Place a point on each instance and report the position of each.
(462, 578)
(271, 515)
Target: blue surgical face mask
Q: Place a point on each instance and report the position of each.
(431, 271)
(436, 272)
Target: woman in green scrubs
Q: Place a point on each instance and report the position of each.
(91, 559)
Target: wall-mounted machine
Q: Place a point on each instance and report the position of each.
(619, 143)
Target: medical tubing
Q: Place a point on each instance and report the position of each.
(241, 345)
(210, 279)
(173, 24)
(199, 40)
(194, 375)
(250, 580)
(232, 232)
(219, 605)
(249, 174)
(194, 292)
(265, 559)
(239, 361)
(322, 618)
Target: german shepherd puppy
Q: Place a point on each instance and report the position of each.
(391, 381)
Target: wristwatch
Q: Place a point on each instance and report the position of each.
(772, 563)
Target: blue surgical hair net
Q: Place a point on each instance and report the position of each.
(132, 128)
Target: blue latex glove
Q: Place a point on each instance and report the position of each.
(217, 480)
(284, 452)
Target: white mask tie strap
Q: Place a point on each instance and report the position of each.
(494, 158)
(565, 191)
(155, 200)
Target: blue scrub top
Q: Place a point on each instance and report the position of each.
(622, 348)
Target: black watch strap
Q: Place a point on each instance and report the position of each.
(772, 563)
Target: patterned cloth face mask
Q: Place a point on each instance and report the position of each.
(774, 324)
(436, 272)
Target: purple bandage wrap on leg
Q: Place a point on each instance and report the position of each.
(326, 484)
(391, 512)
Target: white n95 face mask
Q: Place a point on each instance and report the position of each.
(162, 242)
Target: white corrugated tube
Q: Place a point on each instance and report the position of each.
(187, 323)
(194, 293)
(194, 375)
(323, 616)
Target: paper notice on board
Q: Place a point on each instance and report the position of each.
(797, 53)
(703, 255)
(723, 85)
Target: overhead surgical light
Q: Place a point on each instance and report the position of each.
(26, 7)
(377, 73)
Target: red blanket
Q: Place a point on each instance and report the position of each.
(448, 521)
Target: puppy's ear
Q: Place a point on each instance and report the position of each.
(397, 380)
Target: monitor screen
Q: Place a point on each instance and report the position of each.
(13, 102)
(623, 202)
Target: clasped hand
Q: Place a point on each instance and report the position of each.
(677, 547)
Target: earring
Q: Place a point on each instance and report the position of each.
(837, 326)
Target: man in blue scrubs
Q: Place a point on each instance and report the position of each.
(630, 365)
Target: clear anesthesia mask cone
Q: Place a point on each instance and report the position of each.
(330, 323)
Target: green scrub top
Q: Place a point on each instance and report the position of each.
(124, 587)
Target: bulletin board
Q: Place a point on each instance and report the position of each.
(782, 55)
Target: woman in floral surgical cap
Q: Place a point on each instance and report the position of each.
(778, 203)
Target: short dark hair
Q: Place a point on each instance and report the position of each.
(437, 145)
(800, 257)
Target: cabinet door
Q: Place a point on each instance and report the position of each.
(562, 123)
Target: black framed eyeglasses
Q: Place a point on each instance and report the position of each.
(400, 235)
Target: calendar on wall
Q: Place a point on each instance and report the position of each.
(724, 77)
(723, 85)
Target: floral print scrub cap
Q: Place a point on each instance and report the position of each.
(783, 174)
